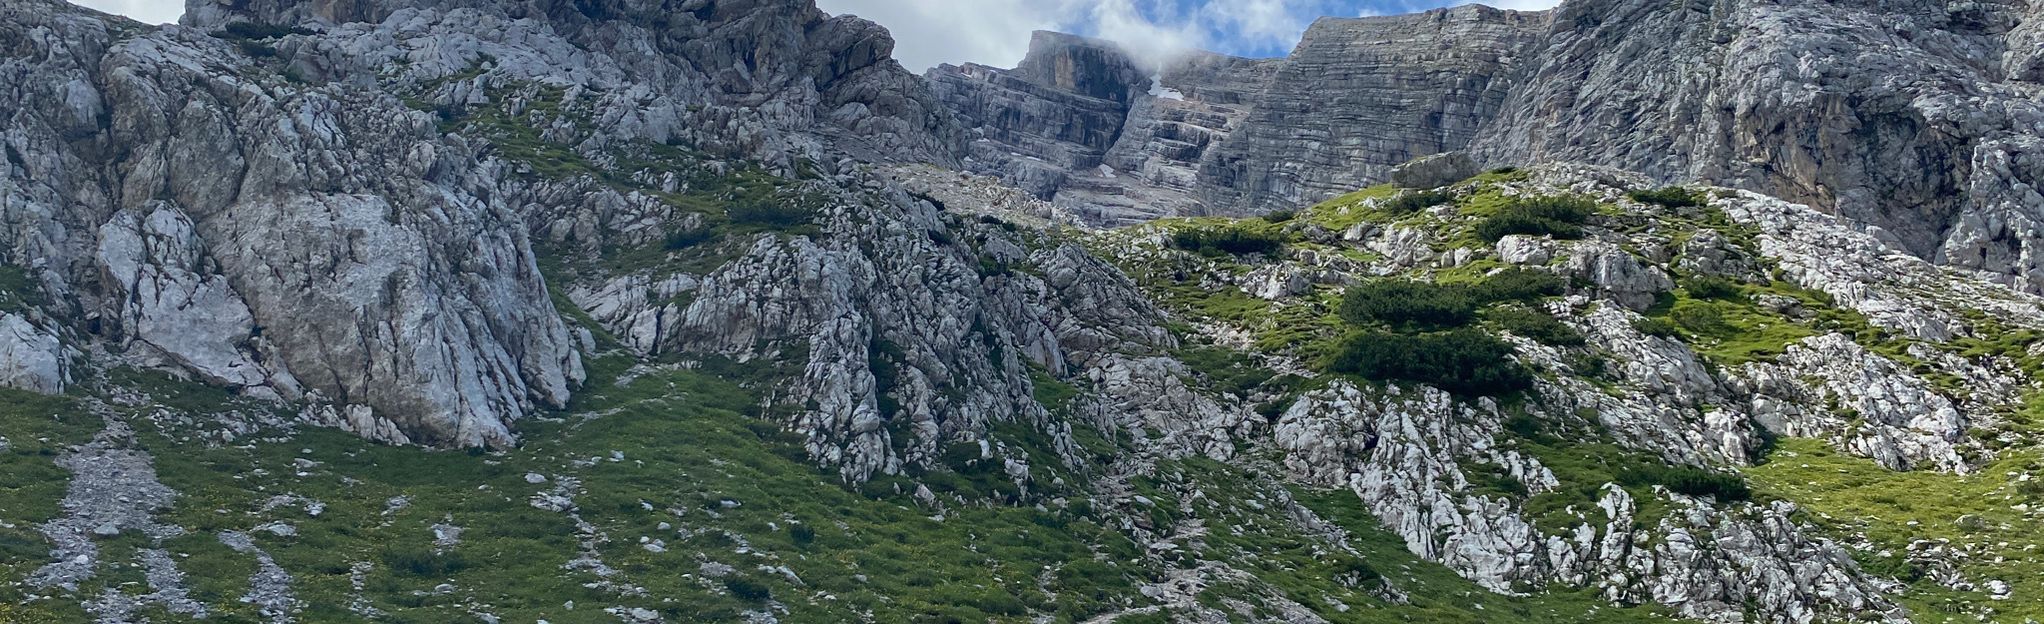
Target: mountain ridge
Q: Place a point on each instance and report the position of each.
(1540, 108)
(728, 337)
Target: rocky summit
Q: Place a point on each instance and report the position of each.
(677, 311)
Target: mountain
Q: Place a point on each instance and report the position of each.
(707, 310)
(1916, 121)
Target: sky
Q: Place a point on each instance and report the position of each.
(146, 11)
(996, 32)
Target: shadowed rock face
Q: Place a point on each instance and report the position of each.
(1916, 120)
(1902, 117)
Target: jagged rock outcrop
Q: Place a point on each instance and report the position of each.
(776, 80)
(274, 237)
(1408, 465)
(31, 357)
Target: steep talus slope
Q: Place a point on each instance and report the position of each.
(719, 355)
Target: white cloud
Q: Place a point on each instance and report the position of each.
(1150, 42)
(146, 11)
(929, 32)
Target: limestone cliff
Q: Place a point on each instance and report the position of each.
(1915, 121)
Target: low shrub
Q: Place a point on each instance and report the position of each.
(1656, 327)
(1281, 216)
(1416, 201)
(1714, 287)
(1672, 197)
(1689, 480)
(1517, 284)
(1221, 241)
(1226, 371)
(684, 239)
(252, 30)
(1560, 217)
(1407, 303)
(747, 589)
(1536, 325)
(1700, 319)
(1462, 361)
(769, 213)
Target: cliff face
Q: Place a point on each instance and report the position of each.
(1360, 96)
(1916, 121)
(168, 199)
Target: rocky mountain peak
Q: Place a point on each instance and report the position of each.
(1090, 67)
(1911, 119)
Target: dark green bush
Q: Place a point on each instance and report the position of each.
(998, 222)
(769, 213)
(1225, 370)
(1700, 319)
(1462, 361)
(1493, 479)
(747, 589)
(685, 239)
(1656, 327)
(1526, 427)
(257, 49)
(1560, 217)
(1407, 303)
(1517, 284)
(1714, 287)
(423, 562)
(1688, 480)
(252, 30)
(1281, 216)
(1228, 241)
(1672, 197)
(802, 534)
(1416, 201)
(1539, 326)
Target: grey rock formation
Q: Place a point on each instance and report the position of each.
(31, 358)
(285, 239)
(1085, 125)
(1896, 116)
(1434, 171)
(1914, 120)
(353, 216)
(771, 76)
(1359, 96)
